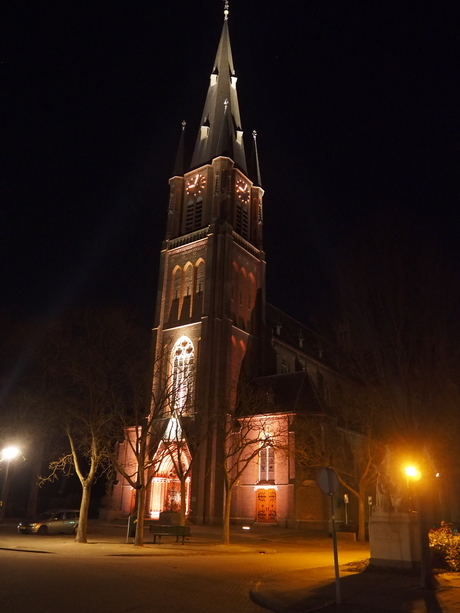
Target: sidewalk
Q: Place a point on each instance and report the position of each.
(298, 591)
(365, 592)
(111, 540)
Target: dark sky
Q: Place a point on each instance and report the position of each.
(355, 104)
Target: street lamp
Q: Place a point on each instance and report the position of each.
(413, 473)
(427, 579)
(7, 454)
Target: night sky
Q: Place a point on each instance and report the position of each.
(355, 105)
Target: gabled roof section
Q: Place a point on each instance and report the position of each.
(220, 132)
(290, 393)
(301, 338)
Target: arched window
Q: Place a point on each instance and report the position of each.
(175, 286)
(186, 297)
(199, 276)
(183, 374)
(267, 462)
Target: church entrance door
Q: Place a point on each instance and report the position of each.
(266, 506)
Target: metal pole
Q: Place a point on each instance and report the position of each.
(336, 557)
(4, 491)
(426, 574)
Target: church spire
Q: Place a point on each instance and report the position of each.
(220, 132)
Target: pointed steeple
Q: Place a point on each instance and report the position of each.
(179, 162)
(220, 132)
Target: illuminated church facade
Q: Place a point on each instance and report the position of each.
(213, 329)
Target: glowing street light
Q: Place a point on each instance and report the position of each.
(413, 473)
(7, 454)
(10, 453)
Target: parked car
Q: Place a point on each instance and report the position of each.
(51, 522)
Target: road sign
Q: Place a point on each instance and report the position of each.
(328, 481)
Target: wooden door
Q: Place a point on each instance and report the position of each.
(266, 505)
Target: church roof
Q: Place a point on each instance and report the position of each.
(290, 393)
(303, 339)
(220, 133)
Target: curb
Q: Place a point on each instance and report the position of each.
(268, 603)
(260, 600)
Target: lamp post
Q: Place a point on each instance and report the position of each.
(7, 454)
(426, 576)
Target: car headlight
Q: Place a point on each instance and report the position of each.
(32, 525)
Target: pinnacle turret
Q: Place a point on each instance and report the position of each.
(179, 166)
(254, 168)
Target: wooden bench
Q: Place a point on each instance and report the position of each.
(177, 531)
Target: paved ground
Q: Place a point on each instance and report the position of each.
(283, 570)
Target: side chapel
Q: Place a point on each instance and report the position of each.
(213, 326)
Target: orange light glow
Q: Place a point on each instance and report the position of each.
(10, 453)
(413, 473)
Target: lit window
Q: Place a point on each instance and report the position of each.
(267, 463)
(183, 358)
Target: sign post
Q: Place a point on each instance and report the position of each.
(329, 484)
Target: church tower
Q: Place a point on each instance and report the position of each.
(212, 275)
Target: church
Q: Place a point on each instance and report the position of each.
(215, 334)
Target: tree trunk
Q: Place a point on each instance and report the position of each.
(139, 538)
(226, 526)
(361, 514)
(37, 460)
(81, 536)
(182, 501)
(4, 491)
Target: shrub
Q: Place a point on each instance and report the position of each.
(445, 548)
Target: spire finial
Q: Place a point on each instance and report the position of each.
(226, 10)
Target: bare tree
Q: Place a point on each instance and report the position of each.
(151, 432)
(401, 304)
(347, 445)
(96, 368)
(181, 443)
(245, 431)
